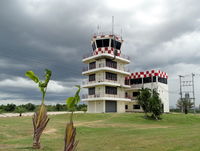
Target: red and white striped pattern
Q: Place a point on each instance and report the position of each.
(145, 74)
(107, 36)
(107, 50)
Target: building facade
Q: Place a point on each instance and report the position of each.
(111, 87)
(153, 79)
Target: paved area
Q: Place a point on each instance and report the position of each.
(31, 113)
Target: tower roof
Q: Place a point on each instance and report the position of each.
(149, 73)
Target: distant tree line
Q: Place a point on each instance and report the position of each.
(29, 107)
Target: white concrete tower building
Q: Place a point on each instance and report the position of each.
(106, 73)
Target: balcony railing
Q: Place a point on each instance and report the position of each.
(131, 97)
(101, 65)
(86, 96)
(86, 82)
(121, 55)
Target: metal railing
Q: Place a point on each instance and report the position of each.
(86, 81)
(130, 97)
(101, 65)
(86, 96)
(91, 54)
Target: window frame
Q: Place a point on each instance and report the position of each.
(91, 91)
(92, 77)
(111, 76)
(111, 90)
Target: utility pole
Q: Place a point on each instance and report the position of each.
(187, 84)
(181, 93)
(193, 91)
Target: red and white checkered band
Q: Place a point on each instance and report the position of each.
(107, 36)
(107, 50)
(145, 74)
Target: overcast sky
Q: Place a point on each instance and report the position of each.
(55, 34)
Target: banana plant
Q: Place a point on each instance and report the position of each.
(70, 131)
(40, 118)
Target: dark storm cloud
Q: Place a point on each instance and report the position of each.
(56, 34)
(54, 38)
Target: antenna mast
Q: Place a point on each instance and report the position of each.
(112, 25)
(98, 29)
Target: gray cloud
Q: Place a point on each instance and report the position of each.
(56, 34)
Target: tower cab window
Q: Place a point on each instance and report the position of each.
(102, 43)
(93, 46)
(115, 44)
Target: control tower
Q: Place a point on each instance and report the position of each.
(106, 74)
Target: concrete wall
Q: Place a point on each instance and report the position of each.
(162, 89)
(99, 106)
(96, 106)
(130, 107)
(120, 107)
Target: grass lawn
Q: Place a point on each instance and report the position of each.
(107, 132)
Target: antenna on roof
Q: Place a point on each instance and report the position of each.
(98, 29)
(112, 25)
(121, 33)
(114, 42)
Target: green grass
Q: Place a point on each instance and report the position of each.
(107, 132)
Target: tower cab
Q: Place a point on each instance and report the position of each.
(106, 44)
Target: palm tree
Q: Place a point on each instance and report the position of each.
(70, 131)
(40, 118)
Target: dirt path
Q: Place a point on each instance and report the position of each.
(31, 114)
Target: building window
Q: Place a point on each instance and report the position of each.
(136, 81)
(147, 80)
(102, 43)
(137, 107)
(111, 63)
(111, 76)
(111, 90)
(154, 78)
(92, 77)
(126, 107)
(162, 80)
(91, 91)
(93, 46)
(135, 94)
(126, 82)
(92, 65)
(115, 44)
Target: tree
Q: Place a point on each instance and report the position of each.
(70, 132)
(10, 107)
(185, 104)
(143, 99)
(40, 118)
(155, 105)
(20, 110)
(30, 107)
(59, 107)
(150, 103)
